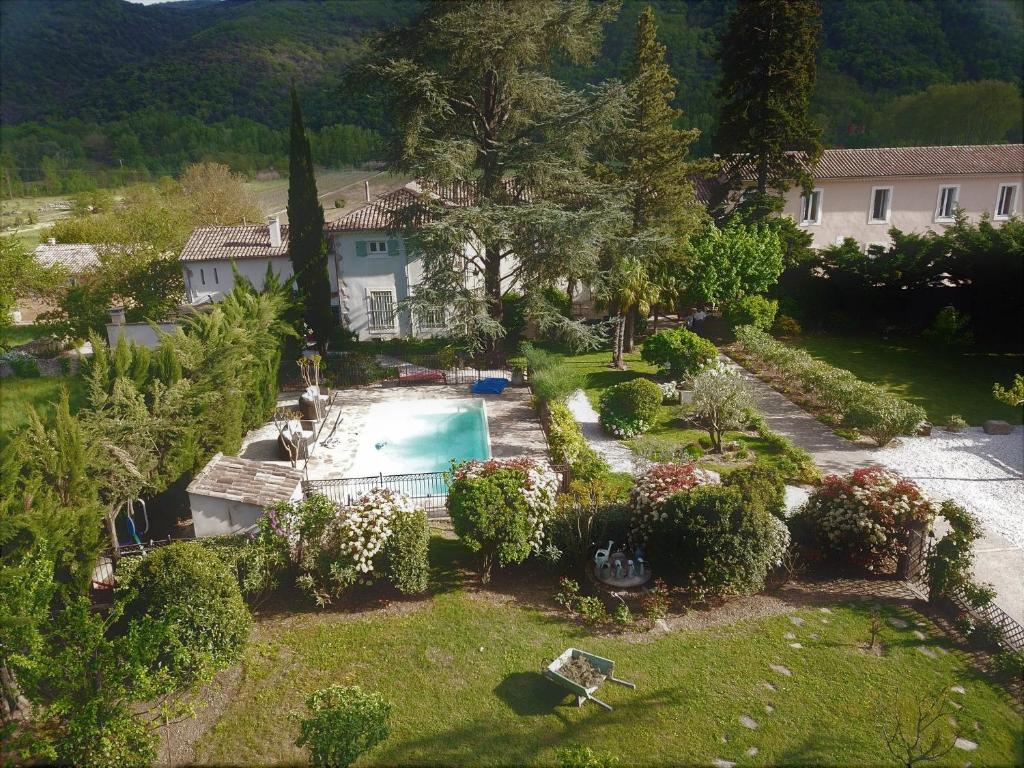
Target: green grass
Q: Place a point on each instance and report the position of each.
(462, 668)
(16, 335)
(943, 382)
(18, 394)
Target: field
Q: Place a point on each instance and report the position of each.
(462, 670)
(943, 382)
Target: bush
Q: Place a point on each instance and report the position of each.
(751, 310)
(951, 328)
(786, 326)
(659, 483)
(499, 509)
(716, 541)
(591, 513)
(721, 401)
(343, 723)
(956, 423)
(863, 518)
(1012, 396)
(22, 363)
(406, 552)
(578, 756)
(762, 487)
(630, 408)
(257, 561)
(189, 588)
(679, 353)
(555, 384)
(951, 560)
(859, 405)
(569, 447)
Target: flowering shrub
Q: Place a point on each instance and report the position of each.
(680, 353)
(655, 486)
(721, 401)
(863, 517)
(630, 408)
(499, 508)
(334, 546)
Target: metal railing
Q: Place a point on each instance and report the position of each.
(427, 490)
(408, 368)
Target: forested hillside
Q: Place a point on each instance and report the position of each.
(97, 87)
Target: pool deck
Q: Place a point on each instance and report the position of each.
(512, 422)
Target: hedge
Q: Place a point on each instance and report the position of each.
(863, 406)
(569, 447)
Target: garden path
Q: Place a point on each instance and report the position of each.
(997, 560)
(617, 454)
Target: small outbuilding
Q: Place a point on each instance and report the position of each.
(230, 493)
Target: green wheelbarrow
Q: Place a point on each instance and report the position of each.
(584, 693)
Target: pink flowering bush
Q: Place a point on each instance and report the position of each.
(335, 546)
(862, 518)
(658, 484)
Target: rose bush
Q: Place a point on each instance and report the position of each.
(862, 518)
(655, 486)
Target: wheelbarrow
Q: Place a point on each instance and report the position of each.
(605, 666)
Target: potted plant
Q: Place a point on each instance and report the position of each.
(517, 365)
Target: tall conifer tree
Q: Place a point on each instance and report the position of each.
(307, 246)
(647, 158)
(768, 58)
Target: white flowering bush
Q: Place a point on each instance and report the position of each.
(862, 518)
(500, 508)
(655, 486)
(336, 546)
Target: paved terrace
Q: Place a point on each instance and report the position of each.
(513, 424)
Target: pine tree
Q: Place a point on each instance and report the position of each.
(768, 72)
(647, 157)
(307, 246)
(477, 110)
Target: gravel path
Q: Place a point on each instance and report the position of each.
(983, 472)
(618, 455)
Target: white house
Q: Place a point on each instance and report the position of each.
(862, 193)
(370, 267)
(230, 493)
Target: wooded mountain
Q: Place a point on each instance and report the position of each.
(101, 83)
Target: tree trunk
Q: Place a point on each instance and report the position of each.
(492, 281)
(620, 326)
(632, 318)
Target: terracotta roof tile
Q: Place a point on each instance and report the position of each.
(251, 482)
(240, 241)
(74, 257)
(921, 161)
(385, 213)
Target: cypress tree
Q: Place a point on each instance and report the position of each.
(768, 72)
(307, 246)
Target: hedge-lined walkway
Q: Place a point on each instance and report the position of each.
(997, 560)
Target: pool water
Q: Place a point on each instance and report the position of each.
(421, 436)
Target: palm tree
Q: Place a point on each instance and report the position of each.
(629, 289)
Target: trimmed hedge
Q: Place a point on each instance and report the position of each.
(863, 406)
(752, 310)
(679, 353)
(630, 408)
(569, 447)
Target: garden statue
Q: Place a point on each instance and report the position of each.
(602, 555)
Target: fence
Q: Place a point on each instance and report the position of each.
(1010, 632)
(356, 369)
(428, 490)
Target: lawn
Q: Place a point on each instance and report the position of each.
(17, 394)
(16, 335)
(943, 382)
(462, 670)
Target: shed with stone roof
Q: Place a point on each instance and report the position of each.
(230, 493)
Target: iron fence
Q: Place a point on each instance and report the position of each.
(427, 490)
(359, 369)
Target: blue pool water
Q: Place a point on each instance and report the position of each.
(421, 436)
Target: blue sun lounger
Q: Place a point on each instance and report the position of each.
(490, 386)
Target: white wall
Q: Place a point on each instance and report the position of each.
(220, 280)
(140, 333)
(213, 516)
(846, 205)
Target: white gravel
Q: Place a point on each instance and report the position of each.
(983, 472)
(618, 455)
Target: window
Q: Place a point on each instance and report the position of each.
(431, 318)
(216, 280)
(1006, 201)
(881, 201)
(382, 311)
(377, 248)
(202, 276)
(946, 207)
(810, 208)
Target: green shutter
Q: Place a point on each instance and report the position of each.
(393, 249)
(360, 248)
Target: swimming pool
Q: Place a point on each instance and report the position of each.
(421, 436)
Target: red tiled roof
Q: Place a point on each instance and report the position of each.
(240, 241)
(921, 161)
(381, 214)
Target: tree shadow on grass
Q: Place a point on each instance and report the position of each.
(530, 694)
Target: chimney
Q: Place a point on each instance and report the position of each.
(366, 188)
(51, 241)
(274, 225)
(117, 315)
